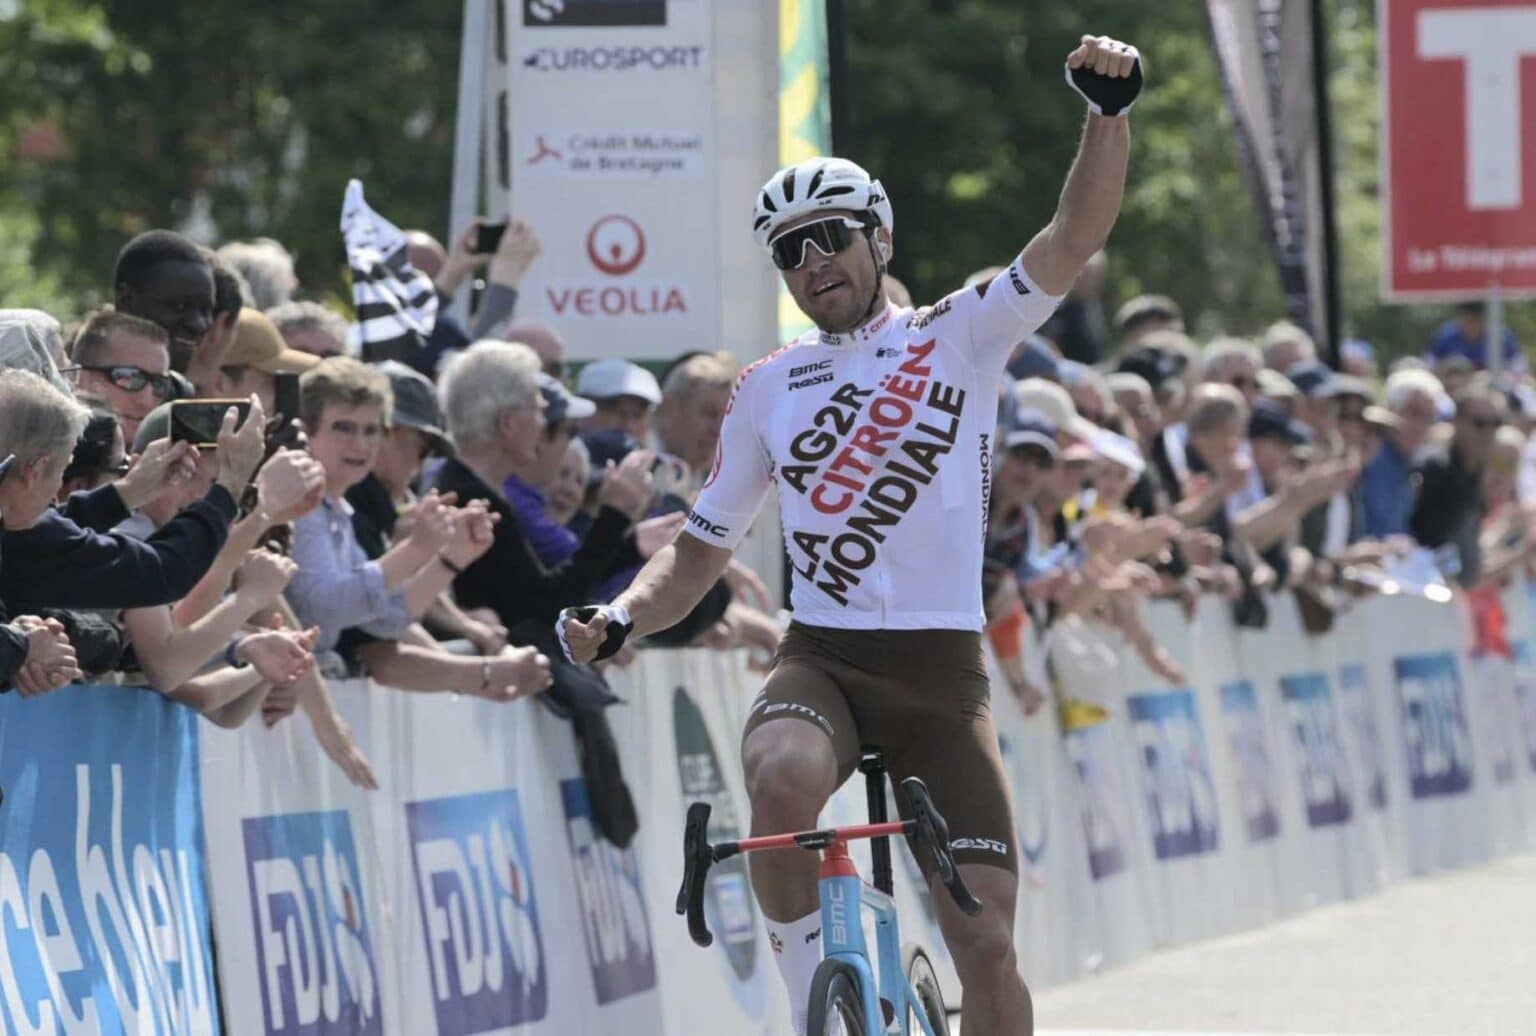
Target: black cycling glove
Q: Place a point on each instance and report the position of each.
(619, 625)
(1107, 95)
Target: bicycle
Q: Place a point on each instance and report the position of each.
(844, 990)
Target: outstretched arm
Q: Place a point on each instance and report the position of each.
(1090, 201)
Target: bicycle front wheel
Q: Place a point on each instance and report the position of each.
(836, 1009)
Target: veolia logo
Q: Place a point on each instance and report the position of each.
(616, 245)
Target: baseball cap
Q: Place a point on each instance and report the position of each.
(609, 379)
(1349, 385)
(259, 344)
(1275, 385)
(560, 405)
(1033, 428)
(1034, 358)
(1117, 449)
(1312, 379)
(1270, 422)
(416, 404)
(1051, 400)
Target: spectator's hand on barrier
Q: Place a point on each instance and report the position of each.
(516, 673)
(654, 533)
(337, 743)
(240, 451)
(51, 661)
(263, 576)
(432, 524)
(280, 656)
(627, 486)
(518, 249)
(486, 631)
(1264, 577)
(161, 466)
(745, 584)
(290, 484)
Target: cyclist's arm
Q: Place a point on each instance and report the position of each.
(1089, 204)
(675, 579)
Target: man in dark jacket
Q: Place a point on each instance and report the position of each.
(1450, 506)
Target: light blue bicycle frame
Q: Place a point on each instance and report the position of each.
(842, 938)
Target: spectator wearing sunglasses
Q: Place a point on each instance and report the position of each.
(1235, 362)
(1451, 507)
(124, 361)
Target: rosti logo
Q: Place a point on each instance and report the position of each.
(312, 944)
(616, 930)
(616, 245)
(478, 912)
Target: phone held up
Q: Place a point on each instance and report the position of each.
(488, 237)
(197, 421)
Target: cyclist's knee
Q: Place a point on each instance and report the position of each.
(983, 946)
(791, 771)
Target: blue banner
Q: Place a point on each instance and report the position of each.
(1176, 773)
(1250, 750)
(1321, 764)
(1434, 725)
(103, 906)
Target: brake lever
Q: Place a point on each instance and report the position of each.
(930, 833)
(697, 859)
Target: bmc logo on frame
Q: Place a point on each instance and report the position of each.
(313, 949)
(478, 912)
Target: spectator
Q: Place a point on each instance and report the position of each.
(566, 493)
(1317, 404)
(309, 327)
(345, 408)
(544, 340)
(1450, 506)
(1089, 391)
(518, 248)
(100, 454)
(1278, 390)
(266, 268)
(1133, 398)
(626, 395)
(1285, 346)
(490, 395)
(693, 403)
(1358, 359)
(524, 488)
(1454, 372)
(255, 355)
(50, 560)
(1354, 417)
(1079, 327)
(164, 278)
(30, 340)
(1388, 483)
(1235, 362)
(1035, 357)
(1465, 335)
(123, 360)
(1144, 315)
(1273, 439)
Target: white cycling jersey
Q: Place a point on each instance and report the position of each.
(880, 441)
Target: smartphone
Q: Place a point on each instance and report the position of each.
(488, 239)
(285, 395)
(198, 421)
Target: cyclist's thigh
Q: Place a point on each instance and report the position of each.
(934, 722)
(800, 694)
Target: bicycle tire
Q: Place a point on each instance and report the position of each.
(919, 972)
(836, 1008)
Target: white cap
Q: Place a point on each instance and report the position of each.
(1055, 403)
(1117, 449)
(609, 379)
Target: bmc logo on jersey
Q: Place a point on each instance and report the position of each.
(615, 928)
(478, 913)
(313, 950)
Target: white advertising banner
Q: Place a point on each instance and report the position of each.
(613, 157)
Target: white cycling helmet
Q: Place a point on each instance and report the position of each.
(815, 184)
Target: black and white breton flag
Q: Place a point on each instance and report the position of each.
(396, 303)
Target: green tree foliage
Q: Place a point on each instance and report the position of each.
(123, 115)
(248, 118)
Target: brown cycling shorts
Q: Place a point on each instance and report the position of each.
(921, 697)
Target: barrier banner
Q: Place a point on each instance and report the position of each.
(103, 906)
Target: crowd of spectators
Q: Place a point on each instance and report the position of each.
(423, 522)
(1246, 469)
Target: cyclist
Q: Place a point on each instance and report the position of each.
(877, 429)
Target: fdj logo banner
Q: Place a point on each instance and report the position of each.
(1320, 762)
(1255, 772)
(1181, 798)
(478, 914)
(1090, 752)
(103, 911)
(1354, 688)
(615, 927)
(1434, 725)
(318, 973)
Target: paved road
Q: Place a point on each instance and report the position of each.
(1453, 955)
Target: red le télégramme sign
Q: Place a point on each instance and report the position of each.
(1459, 151)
